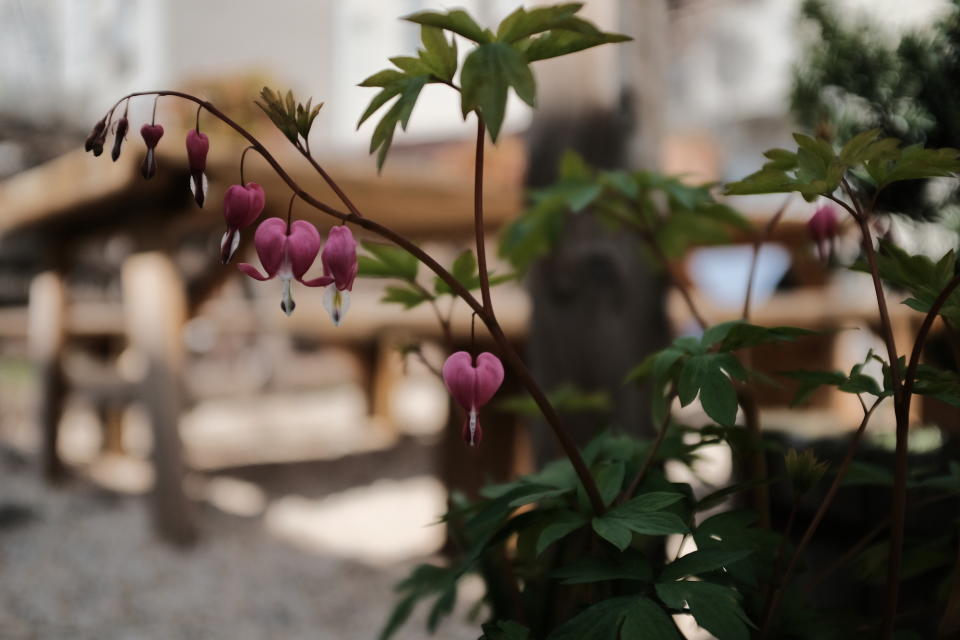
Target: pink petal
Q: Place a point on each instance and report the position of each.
(251, 271)
(270, 240)
(339, 257)
(303, 245)
(460, 378)
(197, 146)
(151, 134)
(489, 378)
(257, 200)
(320, 281)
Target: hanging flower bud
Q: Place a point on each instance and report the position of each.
(823, 226)
(197, 146)
(287, 252)
(151, 136)
(472, 386)
(339, 260)
(242, 205)
(123, 125)
(95, 134)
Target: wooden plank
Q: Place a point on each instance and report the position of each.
(46, 336)
(155, 308)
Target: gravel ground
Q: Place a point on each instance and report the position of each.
(80, 563)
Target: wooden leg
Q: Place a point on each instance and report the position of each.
(46, 335)
(155, 309)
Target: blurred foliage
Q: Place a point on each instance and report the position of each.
(856, 77)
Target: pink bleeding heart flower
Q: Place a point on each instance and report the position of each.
(151, 134)
(339, 260)
(287, 252)
(242, 205)
(823, 226)
(123, 125)
(197, 146)
(472, 386)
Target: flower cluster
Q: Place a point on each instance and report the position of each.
(286, 249)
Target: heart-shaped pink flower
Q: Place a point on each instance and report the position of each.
(339, 260)
(823, 226)
(242, 205)
(197, 146)
(472, 385)
(151, 134)
(287, 252)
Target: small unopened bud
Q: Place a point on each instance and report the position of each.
(98, 129)
(122, 126)
(804, 470)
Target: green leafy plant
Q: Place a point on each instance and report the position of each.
(576, 550)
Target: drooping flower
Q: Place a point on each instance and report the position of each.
(472, 385)
(96, 137)
(339, 260)
(197, 146)
(242, 205)
(151, 136)
(287, 252)
(123, 125)
(823, 226)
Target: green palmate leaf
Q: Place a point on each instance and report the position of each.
(488, 72)
(387, 261)
(464, 269)
(562, 524)
(292, 118)
(735, 335)
(439, 55)
(601, 621)
(938, 383)
(706, 375)
(609, 477)
(700, 562)
(522, 23)
(407, 296)
(640, 515)
(457, 21)
(631, 565)
(646, 620)
(613, 532)
(913, 163)
(574, 35)
(715, 607)
(425, 581)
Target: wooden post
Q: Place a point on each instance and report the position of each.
(598, 307)
(155, 309)
(46, 336)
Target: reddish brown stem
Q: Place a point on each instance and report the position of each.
(758, 241)
(478, 217)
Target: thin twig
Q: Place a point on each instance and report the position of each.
(758, 241)
(478, 217)
(777, 593)
(651, 454)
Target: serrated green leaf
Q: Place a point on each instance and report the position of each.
(570, 38)
(629, 566)
(488, 72)
(522, 23)
(438, 54)
(387, 261)
(613, 531)
(406, 296)
(715, 607)
(646, 620)
(700, 562)
(457, 21)
(561, 525)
